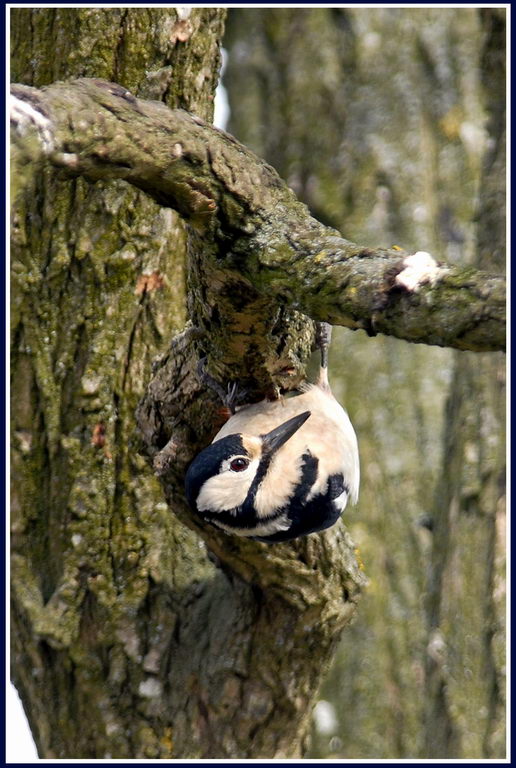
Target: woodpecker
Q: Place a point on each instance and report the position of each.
(278, 470)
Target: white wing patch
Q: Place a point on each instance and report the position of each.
(341, 501)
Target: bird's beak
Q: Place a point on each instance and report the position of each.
(274, 439)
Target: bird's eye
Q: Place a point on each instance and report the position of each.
(237, 465)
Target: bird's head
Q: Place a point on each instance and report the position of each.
(223, 475)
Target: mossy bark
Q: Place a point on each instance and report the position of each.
(468, 552)
(128, 640)
(258, 229)
(375, 119)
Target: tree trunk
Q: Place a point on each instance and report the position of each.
(375, 119)
(135, 636)
(128, 641)
(468, 552)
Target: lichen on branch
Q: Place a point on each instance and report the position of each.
(257, 227)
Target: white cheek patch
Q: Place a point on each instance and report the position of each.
(226, 490)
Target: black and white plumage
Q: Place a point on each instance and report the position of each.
(279, 469)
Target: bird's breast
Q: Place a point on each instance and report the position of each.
(324, 446)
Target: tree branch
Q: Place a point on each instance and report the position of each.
(98, 130)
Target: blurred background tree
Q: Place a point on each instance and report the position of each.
(389, 124)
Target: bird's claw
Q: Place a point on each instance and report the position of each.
(231, 396)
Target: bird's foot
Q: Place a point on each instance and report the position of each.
(231, 396)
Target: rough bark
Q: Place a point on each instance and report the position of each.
(468, 549)
(129, 641)
(100, 131)
(374, 117)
